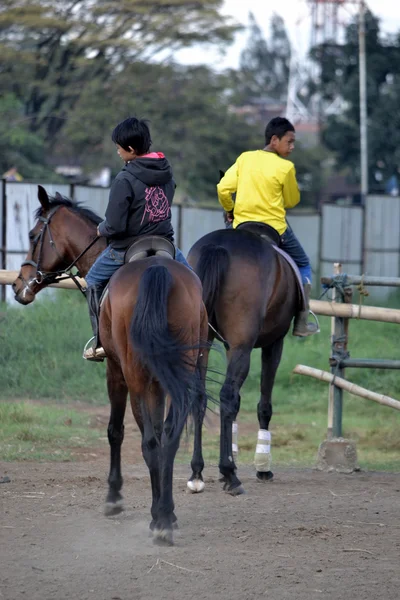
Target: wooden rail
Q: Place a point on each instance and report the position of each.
(352, 388)
(320, 307)
(8, 277)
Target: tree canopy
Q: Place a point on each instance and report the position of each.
(53, 49)
(339, 66)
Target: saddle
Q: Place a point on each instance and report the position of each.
(150, 245)
(144, 247)
(270, 235)
(263, 230)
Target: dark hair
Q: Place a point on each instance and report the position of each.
(277, 126)
(132, 132)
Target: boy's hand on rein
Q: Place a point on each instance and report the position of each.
(228, 216)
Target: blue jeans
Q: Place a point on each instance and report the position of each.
(109, 261)
(291, 245)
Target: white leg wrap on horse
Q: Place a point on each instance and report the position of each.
(235, 447)
(262, 457)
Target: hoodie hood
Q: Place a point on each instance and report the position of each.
(152, 169)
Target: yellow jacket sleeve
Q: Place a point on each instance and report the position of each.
(291, 194)
(228, 186)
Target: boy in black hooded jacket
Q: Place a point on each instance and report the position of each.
(139, 204)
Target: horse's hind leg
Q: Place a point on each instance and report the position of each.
(166, 520)
(117, 392)
(238, 368)
(152, 415)
(196, 483)
(271, 357)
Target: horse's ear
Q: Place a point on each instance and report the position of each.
(43, 198)
(221, 174)
(58, 196)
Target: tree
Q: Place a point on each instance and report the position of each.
(189, 116)
(340, 75)
(265, 64)
(19, 147)
(53, 49)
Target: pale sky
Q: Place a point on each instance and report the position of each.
(297, 17)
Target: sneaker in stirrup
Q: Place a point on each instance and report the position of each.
(302, 327)
(90, 352)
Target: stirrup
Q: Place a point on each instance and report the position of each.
(303, 328)
(316, 320)
(91, 353)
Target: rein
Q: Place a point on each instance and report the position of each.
(49, 277)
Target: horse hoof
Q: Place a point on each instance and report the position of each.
(163, 537)
(235, 491)
(113, 508)
(195, 486)
(265, 476)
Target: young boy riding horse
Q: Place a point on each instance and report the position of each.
(265, 186)
(139, 205)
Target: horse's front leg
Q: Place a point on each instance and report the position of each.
(237, 371)
(270, 358)
(117, 392)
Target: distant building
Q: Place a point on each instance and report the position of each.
(259, 111)
(338, 189)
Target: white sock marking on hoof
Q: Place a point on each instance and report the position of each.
(195, 486)
(113, 508)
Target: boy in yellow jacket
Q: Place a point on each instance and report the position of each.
(265, 186)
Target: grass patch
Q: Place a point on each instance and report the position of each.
(32, 432)
(41, 349)
(296, 438)
(41, 357)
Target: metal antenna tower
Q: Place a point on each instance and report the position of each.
(327, 19)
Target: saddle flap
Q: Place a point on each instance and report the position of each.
(150, 245)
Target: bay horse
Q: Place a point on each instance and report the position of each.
(251, 295)
(152, 326)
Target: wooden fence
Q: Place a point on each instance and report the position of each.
(341, 311)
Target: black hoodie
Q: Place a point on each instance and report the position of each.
(140, 202)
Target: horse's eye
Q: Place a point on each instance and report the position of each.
(31, 236)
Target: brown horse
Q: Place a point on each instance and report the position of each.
(152, 324)
(251, 295)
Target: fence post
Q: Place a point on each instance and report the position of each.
(3, 237)
(338, 345)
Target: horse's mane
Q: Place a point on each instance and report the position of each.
(76, 207)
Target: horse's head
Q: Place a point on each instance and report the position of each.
(52, 247)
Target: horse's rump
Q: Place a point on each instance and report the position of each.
(165, 333)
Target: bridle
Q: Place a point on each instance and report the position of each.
(49, 277)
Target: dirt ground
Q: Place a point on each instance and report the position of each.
(307, 535)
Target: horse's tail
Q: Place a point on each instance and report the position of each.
(212, 268)
(159, 348)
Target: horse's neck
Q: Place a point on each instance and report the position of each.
(83, 235)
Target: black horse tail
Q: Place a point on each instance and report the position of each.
(159, 348)
(212, 269)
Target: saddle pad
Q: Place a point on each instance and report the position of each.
(296, 271)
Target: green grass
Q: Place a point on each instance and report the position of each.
(33, 432)
(41, 349)
(40, 357)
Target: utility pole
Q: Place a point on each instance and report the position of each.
(363, 104)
